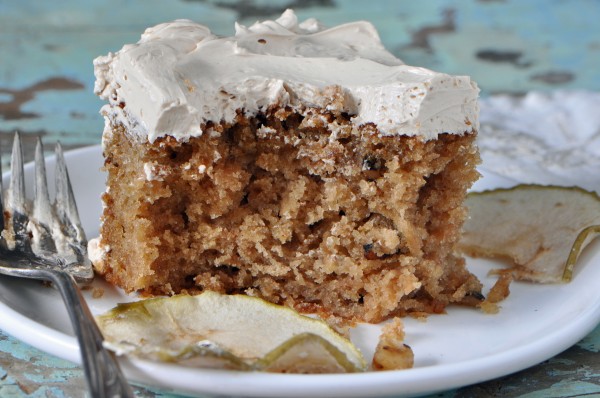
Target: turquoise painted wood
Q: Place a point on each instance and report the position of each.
(508, 46)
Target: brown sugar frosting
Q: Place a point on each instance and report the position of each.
(180, 76)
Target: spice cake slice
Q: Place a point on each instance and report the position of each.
(303, 165)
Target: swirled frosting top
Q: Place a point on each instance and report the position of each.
(180, 75)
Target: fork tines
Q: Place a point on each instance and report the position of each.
(51, 230)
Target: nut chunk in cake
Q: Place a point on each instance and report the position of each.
(304, 165)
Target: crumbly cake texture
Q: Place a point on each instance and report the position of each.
(305, 209)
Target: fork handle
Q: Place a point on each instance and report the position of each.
(103, 374)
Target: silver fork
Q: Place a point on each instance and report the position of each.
(45, 240)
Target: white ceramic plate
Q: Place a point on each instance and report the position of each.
(462, 347)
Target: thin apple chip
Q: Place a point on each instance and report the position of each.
(541, 229)
(227, 331)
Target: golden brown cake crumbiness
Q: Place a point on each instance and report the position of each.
(349, 223)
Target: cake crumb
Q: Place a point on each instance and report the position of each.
(97, 292)
(489, 308)
(391, 353)
(340, 325)
(498, 293)
(501, 288)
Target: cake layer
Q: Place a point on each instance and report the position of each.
(180, 76)
(304, 165)
(353, 223)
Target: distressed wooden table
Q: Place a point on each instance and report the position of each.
(510, 46)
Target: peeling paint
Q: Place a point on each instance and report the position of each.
(554, 77)
(591, 342)
(18, 369)
(514, 57)
(421, 38)
(28, 372)
(251, 9)
(11, 109)
(18, 351)
(566, 389)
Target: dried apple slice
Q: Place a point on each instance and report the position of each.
(541, 229)
(228, 331)
(306, 353)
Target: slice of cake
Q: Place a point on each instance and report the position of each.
(304, 165)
